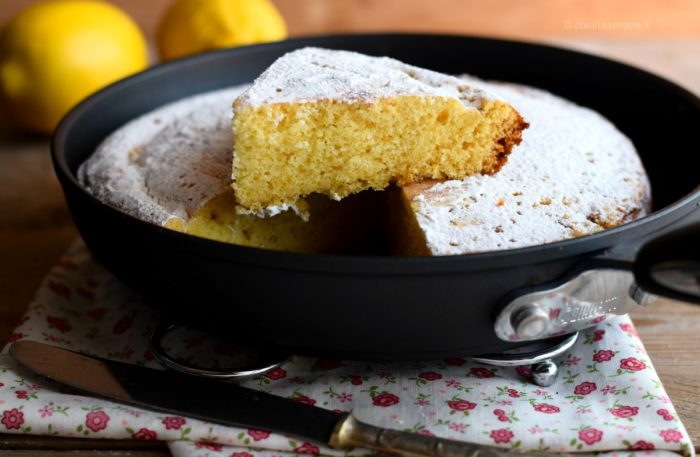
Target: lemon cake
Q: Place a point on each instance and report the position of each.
(172, 167)
(339, 122)
(573, 174)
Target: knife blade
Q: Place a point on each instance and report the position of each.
(229, 404)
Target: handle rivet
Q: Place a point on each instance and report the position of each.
(529, 321)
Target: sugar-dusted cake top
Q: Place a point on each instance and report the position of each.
(169, 162)
(310, 74)
(573, 174)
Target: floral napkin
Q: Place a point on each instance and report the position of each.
(608, 396)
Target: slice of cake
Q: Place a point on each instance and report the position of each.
(574, 174)
(344, 227)
(172, 167)
(338, 122)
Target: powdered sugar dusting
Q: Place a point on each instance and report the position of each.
(312, 74)
(573, 174)
(169, 162)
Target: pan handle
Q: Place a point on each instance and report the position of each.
(669, 265)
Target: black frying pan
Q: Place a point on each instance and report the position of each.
(376, 307)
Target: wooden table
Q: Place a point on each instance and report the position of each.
(35, 228)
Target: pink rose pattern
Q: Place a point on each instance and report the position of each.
(12, 419)
(625, 411)
(82, 307)
(385, 400)
(461, 405)
(604, 355)
(173, 423)
(277, 373)
(258, 435)
(671, 436)
(307, 448)
(547, 409)
(641, 445)
(590, 436)
(145, 435)
(430, 376)
(585, 388)
(632, 364)
(96, 420)
(501, 435)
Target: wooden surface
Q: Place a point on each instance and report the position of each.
(35, 227)
(512, 18)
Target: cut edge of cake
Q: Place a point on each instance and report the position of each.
(339, 122)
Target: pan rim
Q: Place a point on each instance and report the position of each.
(369, 264)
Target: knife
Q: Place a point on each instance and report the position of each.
(230, 404)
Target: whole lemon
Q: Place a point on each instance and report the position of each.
(55, 53)
(191, 26)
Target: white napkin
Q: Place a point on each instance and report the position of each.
(608, 396)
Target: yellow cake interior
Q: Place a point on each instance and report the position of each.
(404, 235)
(347, 226)
(286, 151)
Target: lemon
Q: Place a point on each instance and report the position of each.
(55, 53)
(191, 26)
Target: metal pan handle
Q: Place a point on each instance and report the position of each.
(669, 265)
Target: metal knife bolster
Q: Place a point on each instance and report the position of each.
(351, 432)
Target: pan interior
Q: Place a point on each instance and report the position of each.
(657, 115)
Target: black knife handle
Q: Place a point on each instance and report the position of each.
(351, 432)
